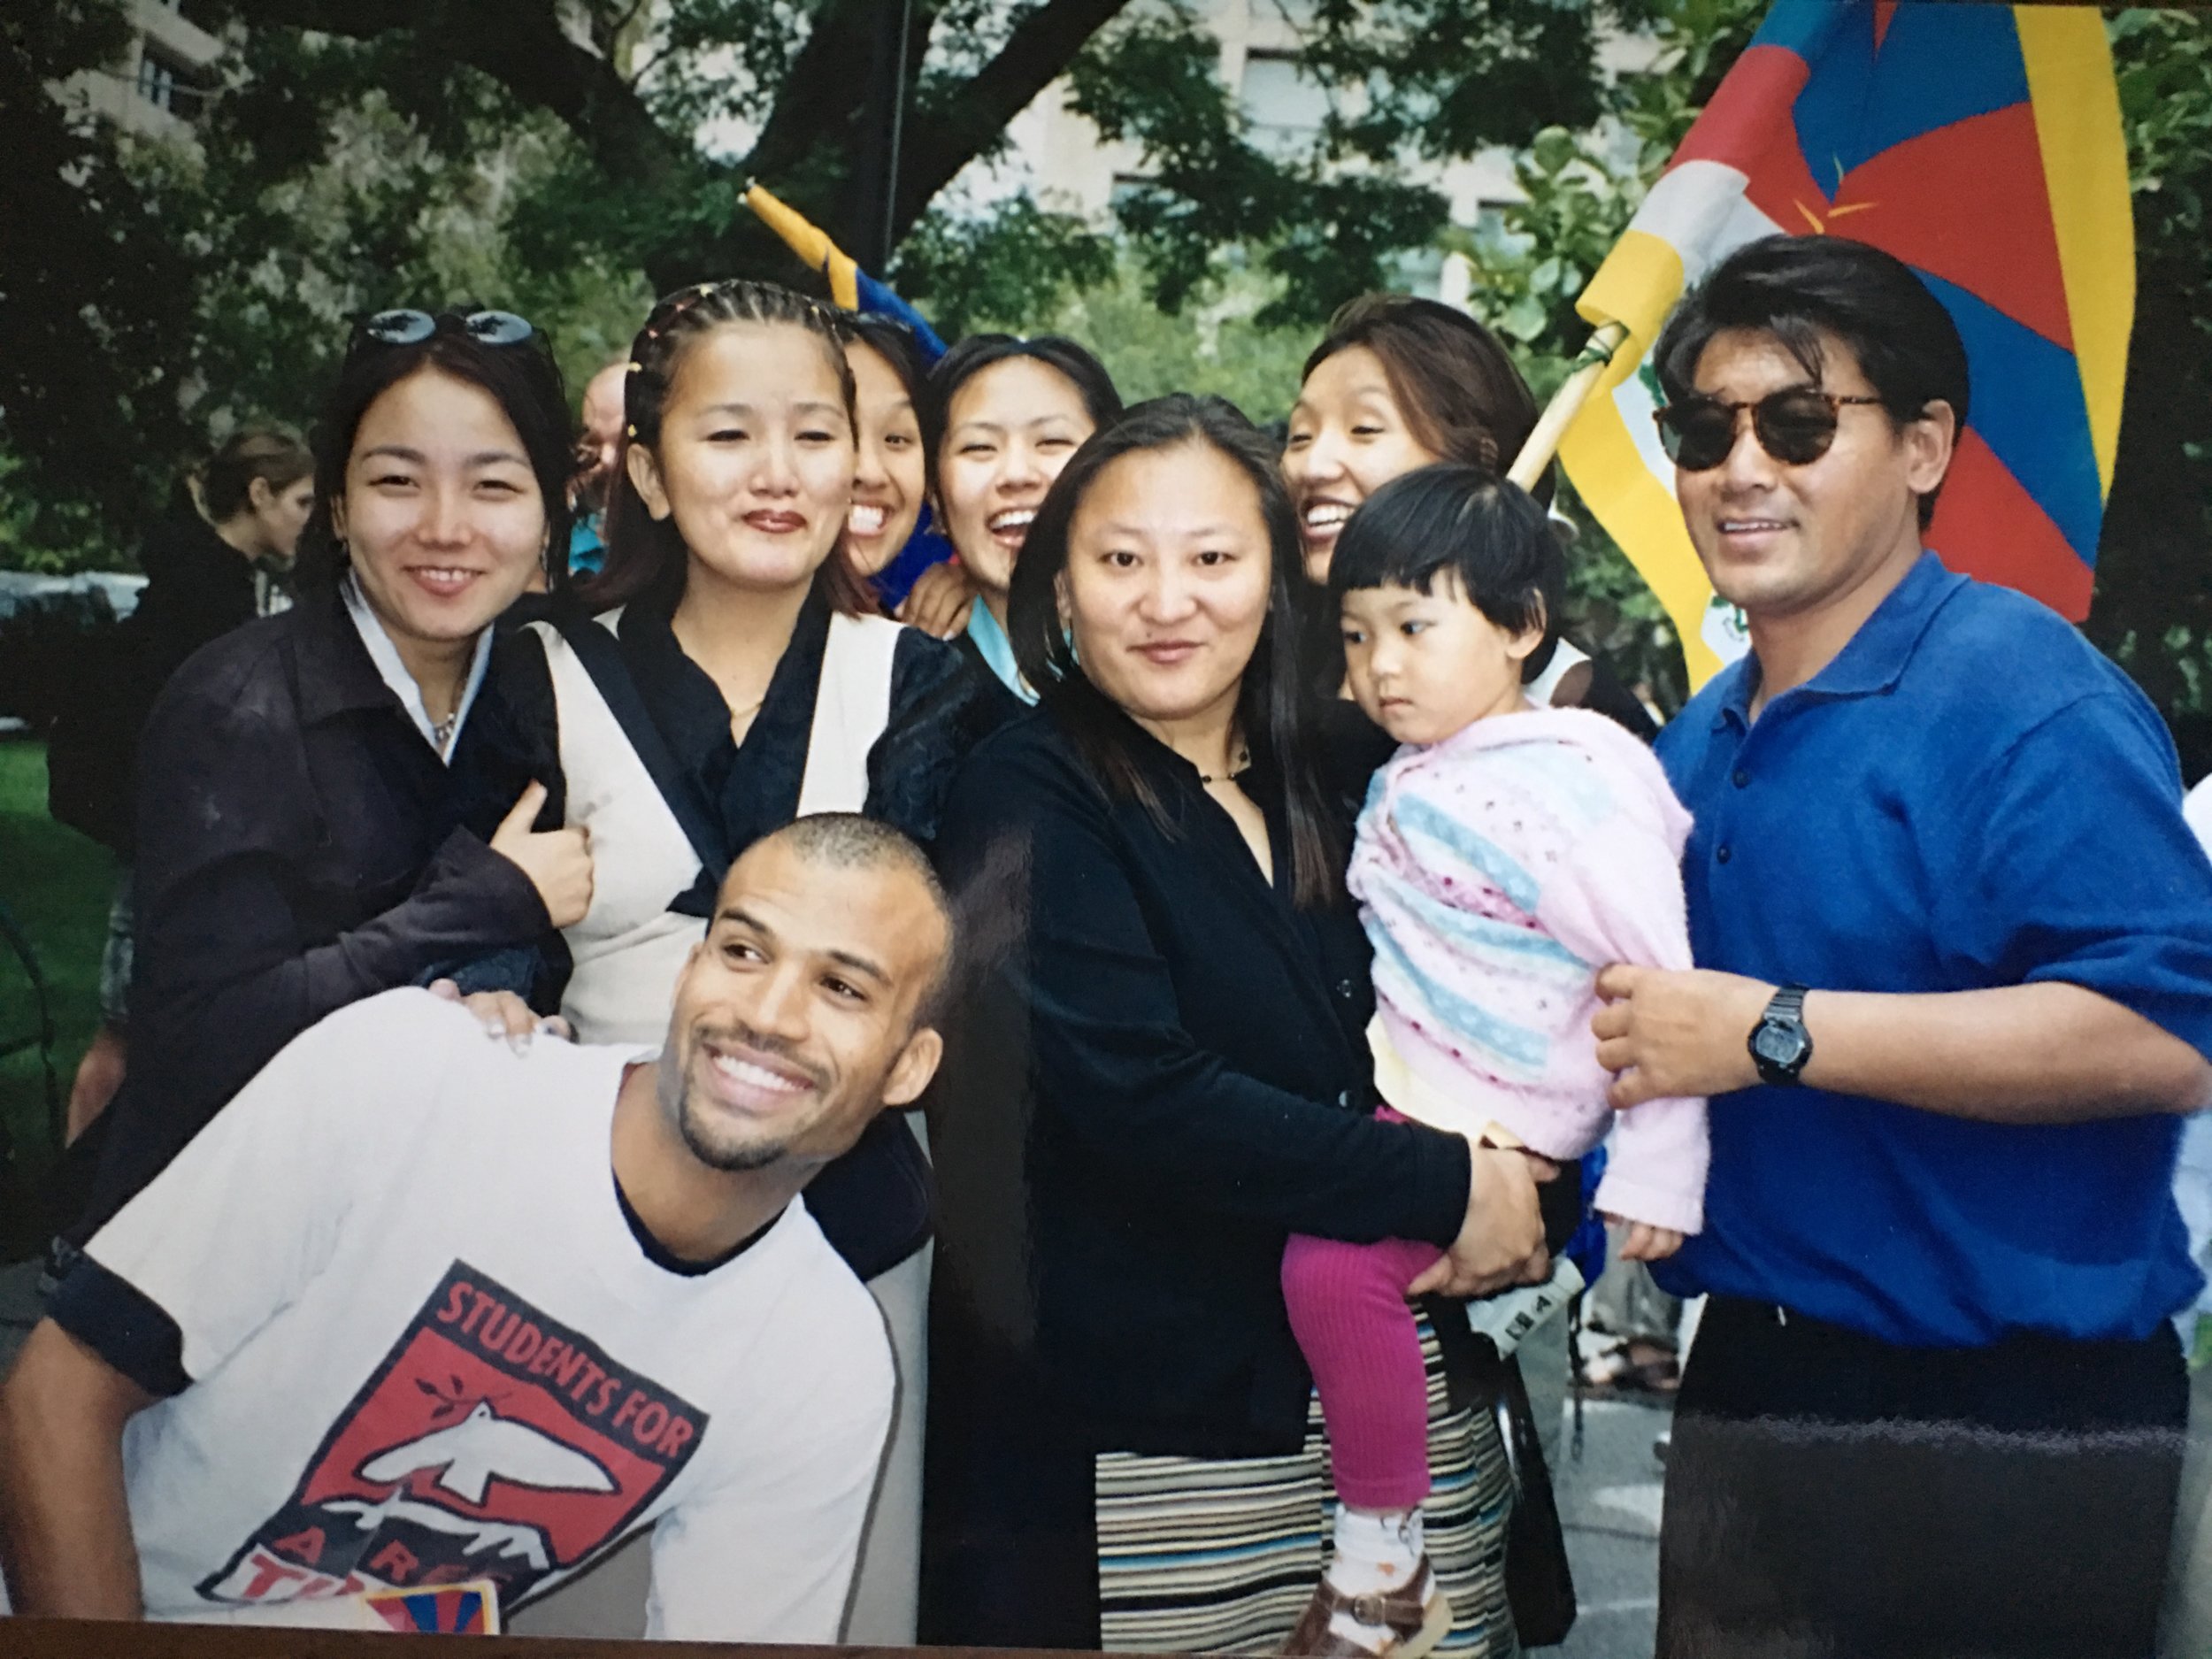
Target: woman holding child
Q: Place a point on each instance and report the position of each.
(1163, 1075)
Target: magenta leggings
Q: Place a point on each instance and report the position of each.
(1347, 1308)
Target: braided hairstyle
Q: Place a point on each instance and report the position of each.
(1460, 393)
(644, 552)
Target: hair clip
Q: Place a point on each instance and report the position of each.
(632, 429)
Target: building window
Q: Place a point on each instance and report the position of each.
(168, 85)
(1283, 105)
(156, 82)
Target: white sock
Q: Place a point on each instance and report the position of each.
(1375, 1552)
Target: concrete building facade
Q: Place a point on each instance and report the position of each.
(164, 77)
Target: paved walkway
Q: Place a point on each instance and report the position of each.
(1609, 1504)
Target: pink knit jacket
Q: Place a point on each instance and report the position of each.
(1497, 871)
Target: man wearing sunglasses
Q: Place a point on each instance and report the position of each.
(1956, 987)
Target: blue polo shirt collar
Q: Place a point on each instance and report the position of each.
(1875, 658)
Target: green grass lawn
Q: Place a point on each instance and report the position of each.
(56, 884)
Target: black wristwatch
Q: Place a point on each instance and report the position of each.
(1780, 1045)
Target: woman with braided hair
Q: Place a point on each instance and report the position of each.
(720, 674)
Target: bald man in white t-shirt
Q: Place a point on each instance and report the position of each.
(420, 1308)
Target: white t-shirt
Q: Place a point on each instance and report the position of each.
(426, 1345)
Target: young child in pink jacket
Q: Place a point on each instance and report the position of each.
(1506, 854)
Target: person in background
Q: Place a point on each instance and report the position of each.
(424, 1308)
(1010, 413)
(1955, 992)
(895, 404)
(1399, 382)
(601, 418)
(1160, 1074)
(334, 801)
(222, 557)
(725, 672)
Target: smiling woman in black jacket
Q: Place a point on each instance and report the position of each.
(334, 801)
(1160, 1076)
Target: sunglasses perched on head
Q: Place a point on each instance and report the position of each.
(411, 327)
(1794, 425)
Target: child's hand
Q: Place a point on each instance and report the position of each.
(1647, 1243)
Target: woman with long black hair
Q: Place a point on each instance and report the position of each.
(1160, 1074)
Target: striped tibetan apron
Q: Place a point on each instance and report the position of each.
(1222, 1555)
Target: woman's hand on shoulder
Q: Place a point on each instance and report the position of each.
(558, 862)
(939, 601)
(1500, 1244)
(503, 1014)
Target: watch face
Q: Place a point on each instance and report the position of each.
(1778, 1045)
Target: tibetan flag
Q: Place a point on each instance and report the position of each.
(851, 288)
(1981, 145)
(446, 1610)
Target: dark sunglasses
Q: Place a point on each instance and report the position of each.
(1795, 426)
(408, 327)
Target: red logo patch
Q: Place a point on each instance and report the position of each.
(491, 1443)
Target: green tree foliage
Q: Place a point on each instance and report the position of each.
(95, 295)
(571, 157)
(2153, 609)
(2153, 606)
(1579, 190)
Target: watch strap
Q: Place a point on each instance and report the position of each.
(1785, 1011)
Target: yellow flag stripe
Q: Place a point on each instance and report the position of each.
(809, 240)
(1637, 287)
(2078, 127)
(1640, 512)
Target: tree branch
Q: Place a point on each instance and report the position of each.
(1034, 56)
(821, 91)
(520, 44)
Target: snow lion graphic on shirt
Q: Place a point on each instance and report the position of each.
(491, 1443)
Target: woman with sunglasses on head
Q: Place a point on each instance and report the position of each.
(1010, 414)
(336, 801)
(723, 673)
(1399, 382)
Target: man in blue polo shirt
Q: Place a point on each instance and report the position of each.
(1935, 1406)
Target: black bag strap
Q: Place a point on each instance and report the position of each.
(600, 654)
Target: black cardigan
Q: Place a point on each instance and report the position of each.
(1163, 1075)
(301, 847)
